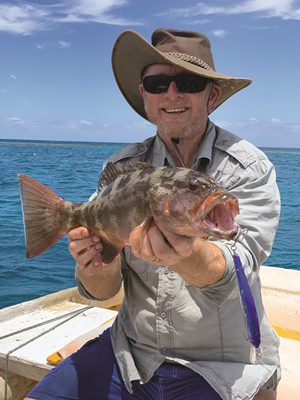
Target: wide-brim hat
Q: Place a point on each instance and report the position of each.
(189, 50)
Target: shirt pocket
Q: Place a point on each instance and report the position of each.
(227, 173)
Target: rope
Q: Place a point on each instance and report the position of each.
(67, 317)
(43, 323)
(191, 59)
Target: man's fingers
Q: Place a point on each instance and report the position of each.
(182, 245)
(91, 257)
(80, 246)
(78, 233)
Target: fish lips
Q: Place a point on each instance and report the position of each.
(216, 214)
(210, 217)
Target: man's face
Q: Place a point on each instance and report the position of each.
(177, 114)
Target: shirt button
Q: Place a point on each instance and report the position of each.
(164, 350)
(163, 314)
(166, 270)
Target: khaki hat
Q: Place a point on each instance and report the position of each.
(188, 50)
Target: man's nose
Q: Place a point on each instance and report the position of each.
(173, 90)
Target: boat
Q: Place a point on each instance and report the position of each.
(38, 334)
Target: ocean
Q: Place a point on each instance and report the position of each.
(72, 170)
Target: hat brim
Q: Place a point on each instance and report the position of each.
(132, 53)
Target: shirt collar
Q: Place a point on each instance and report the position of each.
(207, 144)
(161, 155)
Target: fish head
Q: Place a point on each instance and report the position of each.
(193, 204)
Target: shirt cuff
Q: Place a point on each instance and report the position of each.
(82, 290)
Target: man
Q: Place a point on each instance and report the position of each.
(180, 333)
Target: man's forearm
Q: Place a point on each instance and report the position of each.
(205, 266)
(105, 283)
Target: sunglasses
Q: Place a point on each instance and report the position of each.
(184, 82)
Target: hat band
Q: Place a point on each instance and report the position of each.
(191, 59)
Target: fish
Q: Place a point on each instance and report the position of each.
(129, 194)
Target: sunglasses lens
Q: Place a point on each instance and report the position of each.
(185, 83)
(156, 83)
(190, 83)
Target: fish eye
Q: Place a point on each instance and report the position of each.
(193, 184)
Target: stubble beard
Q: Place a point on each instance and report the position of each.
(175, 132)
(172, 131)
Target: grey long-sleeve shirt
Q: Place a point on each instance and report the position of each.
(163, 318)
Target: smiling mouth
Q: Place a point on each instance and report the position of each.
(178, 110)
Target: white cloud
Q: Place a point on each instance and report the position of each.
(265, 133)
(285, 9)
(12, 76)
(16, 120)
(40, 46)
(62, 44)
(21, 19)
(197, 21)
(26, 18)
(220, 33)
(85, 122)
(94, 11)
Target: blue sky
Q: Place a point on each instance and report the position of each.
(56, 81)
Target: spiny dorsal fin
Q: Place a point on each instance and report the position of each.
(112, 171)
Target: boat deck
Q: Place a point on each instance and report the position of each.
(65, 320)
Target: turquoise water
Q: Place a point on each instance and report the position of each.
(72, 171)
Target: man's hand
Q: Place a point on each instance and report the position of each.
(198, 261)
(158, 245)
(100, 280)
(85, 249)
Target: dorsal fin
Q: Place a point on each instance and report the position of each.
(112, 171)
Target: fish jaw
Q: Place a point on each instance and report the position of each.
(216, 215)
(213, 216)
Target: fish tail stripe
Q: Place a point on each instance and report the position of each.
(42, 223)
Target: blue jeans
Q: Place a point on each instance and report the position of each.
(92, 373)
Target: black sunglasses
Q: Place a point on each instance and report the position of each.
(186, 83)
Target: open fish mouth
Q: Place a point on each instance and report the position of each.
(211, 217)
(217, 215)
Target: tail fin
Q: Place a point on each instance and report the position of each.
(43, 223)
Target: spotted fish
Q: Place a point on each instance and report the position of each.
(182, 200)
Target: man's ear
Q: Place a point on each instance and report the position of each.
(141, 89)
(215, 93)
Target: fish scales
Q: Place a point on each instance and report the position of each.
(181, 199)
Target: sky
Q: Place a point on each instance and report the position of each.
(56, 80)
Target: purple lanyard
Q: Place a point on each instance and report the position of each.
(248, 304)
